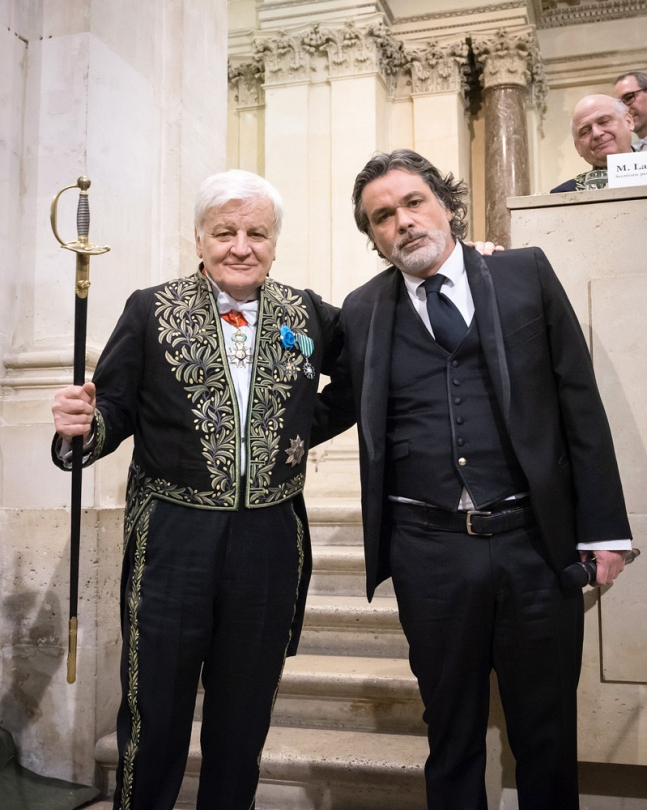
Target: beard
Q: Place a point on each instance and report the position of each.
(421, 258)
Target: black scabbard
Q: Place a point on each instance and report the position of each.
(80, 333)
(83, 250)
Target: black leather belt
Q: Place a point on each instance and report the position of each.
(472, 521)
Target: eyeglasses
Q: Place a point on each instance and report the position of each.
(629, 97)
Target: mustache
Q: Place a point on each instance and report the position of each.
(410, 237)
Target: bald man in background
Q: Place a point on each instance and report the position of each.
(601, 126)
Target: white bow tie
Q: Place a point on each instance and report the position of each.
(249, 308)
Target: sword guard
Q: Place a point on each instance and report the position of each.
(81, 245)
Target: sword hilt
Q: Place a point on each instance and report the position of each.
(83, 211)
(81, 246)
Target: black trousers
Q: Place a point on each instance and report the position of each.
(203, 590)
(467, 605)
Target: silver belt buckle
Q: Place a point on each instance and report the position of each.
(468, 523)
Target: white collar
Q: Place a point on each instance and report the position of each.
(226, 303)
(452, 269)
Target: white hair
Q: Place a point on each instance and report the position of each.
(236, 184)
(620, 106)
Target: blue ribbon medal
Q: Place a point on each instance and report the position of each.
(307, 345)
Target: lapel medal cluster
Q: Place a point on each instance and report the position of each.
(305, 345)
(238, 353)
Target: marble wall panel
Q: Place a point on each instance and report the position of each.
(54, 723)
(29, 478)
(401, 124)
(286, 144)
(574, 232)
(249, 138)
(13, 61)
(623, 630)
(133, 97)
(612, 716)
(446, 146)
(619, 351)
(585, 236)
(316, 274)
(359, 129)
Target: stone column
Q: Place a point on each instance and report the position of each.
(509, 61)
(438, 91)
(246, 138)
(135, 102)
(287, 67)
(325, 98)
(362, 64)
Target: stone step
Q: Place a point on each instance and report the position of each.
(336, 523)
(350, 693)
(349, 625)
(102, 804)
(340, 570)
(304, 769)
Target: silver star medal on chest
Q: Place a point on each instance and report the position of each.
(295, 451)
(307, 345)
(239, 354)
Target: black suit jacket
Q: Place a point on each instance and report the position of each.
(543, 378)
(569, 185)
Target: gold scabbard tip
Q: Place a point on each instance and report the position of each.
(71, 655)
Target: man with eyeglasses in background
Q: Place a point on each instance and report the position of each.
(631, 89)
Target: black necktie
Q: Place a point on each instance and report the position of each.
(447, 322)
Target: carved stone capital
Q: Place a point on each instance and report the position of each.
(512, 58)
(504, 58)
(342, 50)
(247, 80)
(439, 68)
(320, 52)
(283, 58)
(392, 56)
(350, 50)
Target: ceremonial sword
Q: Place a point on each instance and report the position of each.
(83, 249)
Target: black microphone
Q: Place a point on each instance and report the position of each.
(581, 574)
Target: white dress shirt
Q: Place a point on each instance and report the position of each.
(241, 375)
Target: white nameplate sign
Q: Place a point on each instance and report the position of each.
(627, 169)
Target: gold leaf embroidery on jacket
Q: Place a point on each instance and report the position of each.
(274, 378)
(187, 324)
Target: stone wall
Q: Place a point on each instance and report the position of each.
(131, 96)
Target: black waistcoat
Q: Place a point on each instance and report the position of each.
(444, 427)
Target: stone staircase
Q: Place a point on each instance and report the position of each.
(347, 732)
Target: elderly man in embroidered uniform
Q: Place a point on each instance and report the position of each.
(215, 375)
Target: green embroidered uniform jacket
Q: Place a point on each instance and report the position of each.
(164, 377)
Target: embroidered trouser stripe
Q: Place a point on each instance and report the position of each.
(141, 536)
(217, 592)
(299, 526)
